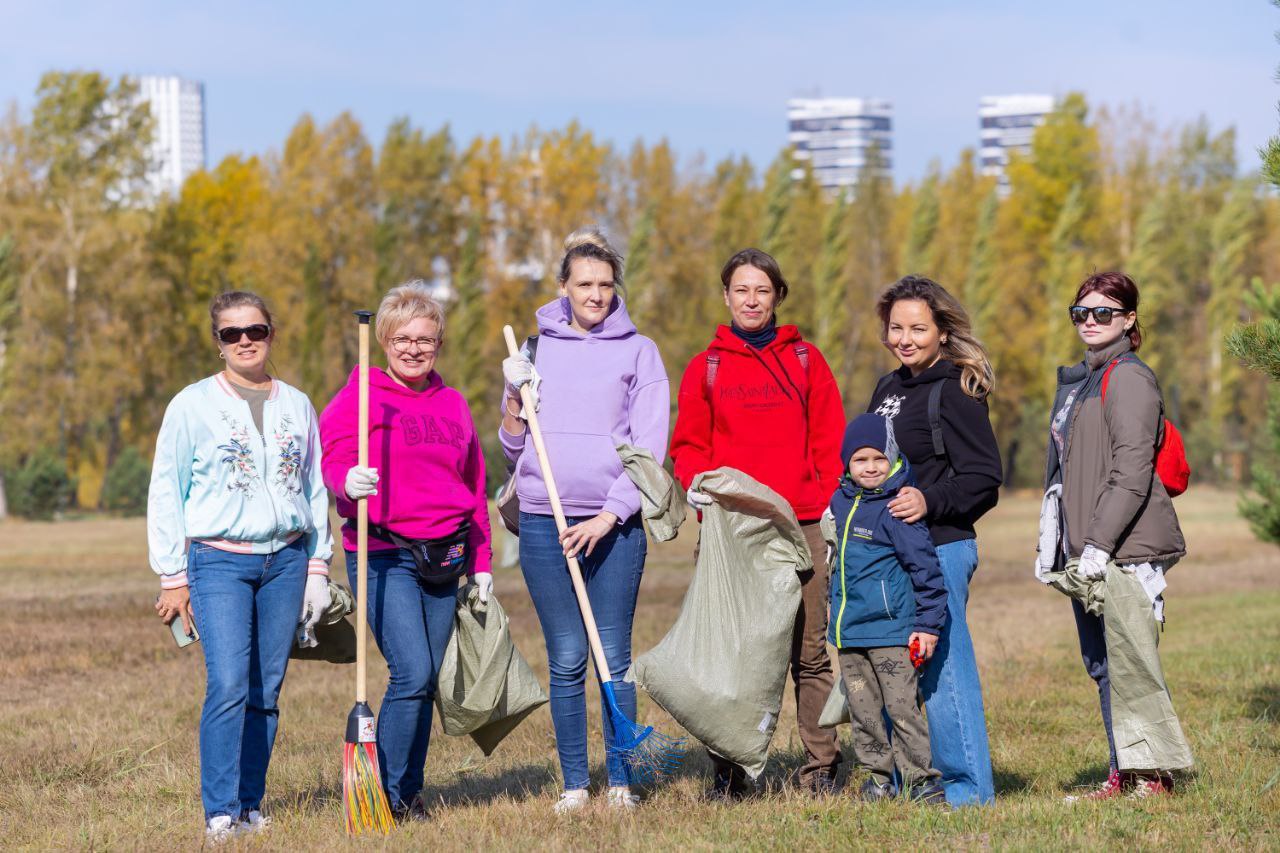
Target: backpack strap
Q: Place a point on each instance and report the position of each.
(531, 347)
(935, 419)
(1106, 375)
(880, 386)
(713, 366)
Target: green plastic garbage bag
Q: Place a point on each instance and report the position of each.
(661, 502)
(721, 669)
(836, 711)
(1147, 732)
(485, 689)
(335, 636)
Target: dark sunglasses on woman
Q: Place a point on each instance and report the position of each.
(256, 332)
(1102, 315)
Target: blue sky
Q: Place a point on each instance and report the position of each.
(712, 77)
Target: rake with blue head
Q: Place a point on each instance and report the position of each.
(649, 754)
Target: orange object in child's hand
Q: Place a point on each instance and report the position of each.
(917, 660)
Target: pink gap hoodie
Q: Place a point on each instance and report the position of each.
(428, 456)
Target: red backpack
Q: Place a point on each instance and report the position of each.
(1171, 454)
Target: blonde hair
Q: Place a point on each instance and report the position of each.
(977, 378)
(403, 304)
(589, 242)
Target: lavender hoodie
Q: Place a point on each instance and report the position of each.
(600, 389)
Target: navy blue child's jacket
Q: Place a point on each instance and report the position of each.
(886, 582)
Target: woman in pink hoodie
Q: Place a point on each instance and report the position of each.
(428, 520)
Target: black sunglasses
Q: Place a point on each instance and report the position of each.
(256, 332)
(1102, 315)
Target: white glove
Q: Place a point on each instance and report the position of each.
(361, 482)
(1093, 563)
(484, 582)
(518, 371)
(698, 500)
(315, 601)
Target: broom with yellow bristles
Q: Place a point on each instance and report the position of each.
(363, 799)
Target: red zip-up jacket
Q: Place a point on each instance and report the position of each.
(767, 416)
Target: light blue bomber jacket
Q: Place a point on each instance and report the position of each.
(217, 481)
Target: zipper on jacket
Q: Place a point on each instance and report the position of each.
(885, 595)
(844, 543)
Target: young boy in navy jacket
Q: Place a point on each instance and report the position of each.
(887, 596)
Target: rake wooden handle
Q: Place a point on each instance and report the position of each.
(544, 463)
(362, 516)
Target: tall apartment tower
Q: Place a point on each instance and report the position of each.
(178, 146)
(1007, 123)
(837, 136)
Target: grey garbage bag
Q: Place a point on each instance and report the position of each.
(485, 689)
(1147, 733)
(721, 669)
(661, 503)
(836, 711)
(335, 637)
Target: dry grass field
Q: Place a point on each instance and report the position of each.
(98, 718)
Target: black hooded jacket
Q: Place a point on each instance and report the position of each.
(961, 486)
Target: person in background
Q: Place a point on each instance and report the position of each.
(428, 521)
(238, 531)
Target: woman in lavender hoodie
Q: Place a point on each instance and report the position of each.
(599, 384)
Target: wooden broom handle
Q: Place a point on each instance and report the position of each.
(362, 516)
(535, 432)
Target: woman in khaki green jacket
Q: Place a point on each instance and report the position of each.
(1115, 533)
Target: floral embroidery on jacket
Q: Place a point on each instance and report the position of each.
(289, 466)
(239, 456)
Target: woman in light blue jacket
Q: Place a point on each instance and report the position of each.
(238, 531)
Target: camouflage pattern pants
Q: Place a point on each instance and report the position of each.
(879, 680)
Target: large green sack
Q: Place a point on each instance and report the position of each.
(721, 669)
(1147, 733)
(662, 504)
(485, 687)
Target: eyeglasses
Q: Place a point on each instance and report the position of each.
(1102, 315)
(256, 332)
(403, 344)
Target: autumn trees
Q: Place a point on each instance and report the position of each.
(104, 292)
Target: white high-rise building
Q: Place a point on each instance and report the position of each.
(178, 144)
(837, 135)
(1007, 123)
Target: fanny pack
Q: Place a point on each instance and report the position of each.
(440, 560)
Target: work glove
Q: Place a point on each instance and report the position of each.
(1093, 563)
(361, 482)
(698, 500)
(484, 583)
(827, 525)
(518, 371)
(315, 601)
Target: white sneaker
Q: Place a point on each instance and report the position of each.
(622, 798)
(252, 821)
(220, 829)
(571, 801)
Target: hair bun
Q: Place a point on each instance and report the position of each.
(586, 236)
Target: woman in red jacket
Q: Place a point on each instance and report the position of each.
(762, 400)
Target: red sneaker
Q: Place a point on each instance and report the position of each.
(1160, 785)
(1116, 785)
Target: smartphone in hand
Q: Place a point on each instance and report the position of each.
(180, 635)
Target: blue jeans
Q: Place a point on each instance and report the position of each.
(612, 575)
(953, 693)
(246, 608)
(1093, 650)
(412, 622)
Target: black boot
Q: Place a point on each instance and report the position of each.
(730, 785)
(929, 793)
(871, 791)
